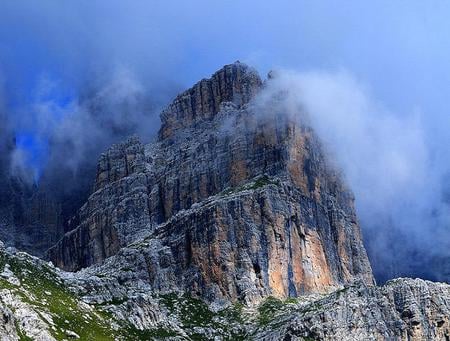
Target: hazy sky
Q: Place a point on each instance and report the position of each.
(54, 54)
(400, 49)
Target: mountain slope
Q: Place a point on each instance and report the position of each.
(229, 204)
(233, 225)
(38, 301)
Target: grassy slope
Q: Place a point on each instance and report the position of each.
(43, 290)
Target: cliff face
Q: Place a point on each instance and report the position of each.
(234, 203)
(40, 302)
(226, 204)
(234, 83)
(29, 217)
(402, 309)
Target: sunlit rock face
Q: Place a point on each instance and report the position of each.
(402, 309)
(230, 203)
(37, 301)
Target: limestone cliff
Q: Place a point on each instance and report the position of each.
(228, 204)
(29, 217)
(40, 302)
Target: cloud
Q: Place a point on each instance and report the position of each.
(74, 71)
(59, 136)
(386, 159)
(5, 132)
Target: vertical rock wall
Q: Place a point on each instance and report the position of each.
(235, 205)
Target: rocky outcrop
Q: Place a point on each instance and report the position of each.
(236, 83)
(41, 302)
(119, 162)
(258, 240)
(116, 210)
(403, 309)
(36, 304)
(234, 204)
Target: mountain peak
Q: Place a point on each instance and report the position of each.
(236, 83)
(223, 214)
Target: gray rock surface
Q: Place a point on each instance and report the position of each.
(402, 309)
(29, 218)
(49, 304)
(236, 205)
(231, 226)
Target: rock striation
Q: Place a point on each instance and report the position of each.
(402, 309)
(29, 218)
(235, 83)
(232, 204)
(232, 225)
(41, 302)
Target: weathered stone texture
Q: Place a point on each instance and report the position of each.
(29, 218)
(294, 230)
(112, 302)
(402, 310)
(246, 246)
(236, 83)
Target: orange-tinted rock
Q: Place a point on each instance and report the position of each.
(235, 205)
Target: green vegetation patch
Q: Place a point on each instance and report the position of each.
(269, 309)
(194, 313)
(257, 183)
(43, 290)
(22, 336)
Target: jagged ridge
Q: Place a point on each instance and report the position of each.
(300, 236)
(39, 301)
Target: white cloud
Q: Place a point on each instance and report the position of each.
(384, 156)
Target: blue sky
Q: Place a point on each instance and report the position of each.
(54, 54)
(398, 50)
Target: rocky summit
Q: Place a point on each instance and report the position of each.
(227, 204)
(232, 225)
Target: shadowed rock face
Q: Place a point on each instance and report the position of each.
(30, 221)
(227, 204)
(29, 217)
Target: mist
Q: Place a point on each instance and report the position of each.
(78, 76)
(399, 178)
